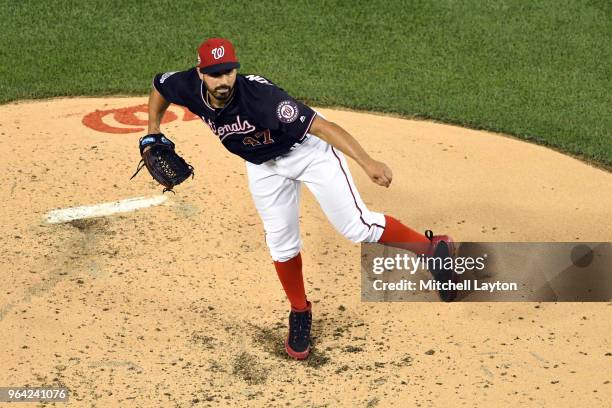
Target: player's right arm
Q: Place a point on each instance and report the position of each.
(168, 87)
(157, 108)
(342, 140)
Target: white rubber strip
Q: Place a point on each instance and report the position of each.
(103, 209)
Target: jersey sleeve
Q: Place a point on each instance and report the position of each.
(280, 112)
(170, 86)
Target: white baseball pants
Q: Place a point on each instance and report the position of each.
(275, 186)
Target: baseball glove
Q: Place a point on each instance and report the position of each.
(158, 155)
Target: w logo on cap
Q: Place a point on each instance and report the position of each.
(217, 55)
(218, 52)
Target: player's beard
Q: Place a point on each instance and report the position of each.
(221, 96)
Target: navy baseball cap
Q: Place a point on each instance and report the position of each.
(216, 55)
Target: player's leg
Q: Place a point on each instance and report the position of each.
(330, 180)
(277, 200)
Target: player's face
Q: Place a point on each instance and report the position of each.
(220, 84)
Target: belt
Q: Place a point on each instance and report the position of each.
(294, 146)
(299, 142)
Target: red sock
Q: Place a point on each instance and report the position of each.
(398, 235)
(290, 275)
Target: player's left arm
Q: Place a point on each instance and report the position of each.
(342, 140)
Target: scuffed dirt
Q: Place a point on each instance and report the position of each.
(179, 305)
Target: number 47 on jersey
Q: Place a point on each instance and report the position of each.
(264, 136)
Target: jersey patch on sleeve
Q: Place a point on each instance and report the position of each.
(166, 76)
(287, 111)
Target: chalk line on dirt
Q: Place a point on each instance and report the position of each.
(102, 209)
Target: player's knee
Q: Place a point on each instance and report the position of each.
(283, 247)
(283, 255)
(367, 227)
(359, 238)
(359, 232)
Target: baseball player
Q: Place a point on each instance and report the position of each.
(286, 144)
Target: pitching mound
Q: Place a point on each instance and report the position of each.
(178, 304)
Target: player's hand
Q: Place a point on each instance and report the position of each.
(379, 173)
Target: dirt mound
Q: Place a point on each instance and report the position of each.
(178, 305)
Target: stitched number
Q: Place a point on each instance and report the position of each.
(252, 141)
(265, 135)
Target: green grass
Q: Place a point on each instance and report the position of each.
(540, 70)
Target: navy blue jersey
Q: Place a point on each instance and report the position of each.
(260, 121)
